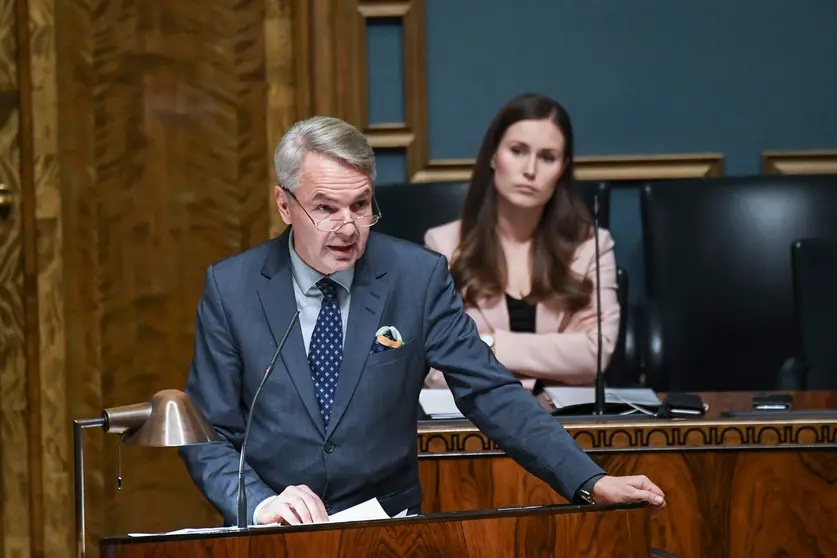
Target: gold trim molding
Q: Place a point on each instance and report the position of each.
(631, 167)
(337, 85)
(689, 435)
(799, 162)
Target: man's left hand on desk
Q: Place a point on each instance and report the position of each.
(615, 490)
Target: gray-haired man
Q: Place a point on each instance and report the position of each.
(337, 423)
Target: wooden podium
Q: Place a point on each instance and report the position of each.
(563, 530)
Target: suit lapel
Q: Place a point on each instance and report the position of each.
(547, 320)
(495, 312)
(369, 294)
(279, 305)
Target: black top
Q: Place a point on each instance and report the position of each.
(521, 315)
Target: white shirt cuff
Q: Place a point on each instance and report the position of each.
(259, 508)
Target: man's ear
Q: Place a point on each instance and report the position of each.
(283, 201)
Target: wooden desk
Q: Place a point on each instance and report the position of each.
(592, 531)
(739, 487)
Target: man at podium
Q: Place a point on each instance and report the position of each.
(362, 316)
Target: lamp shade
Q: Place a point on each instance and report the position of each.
(169, 419)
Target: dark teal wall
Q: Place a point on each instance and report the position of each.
(736, 77)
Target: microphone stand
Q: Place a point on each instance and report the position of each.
(600, 396)
(599, 407)
(242, 494)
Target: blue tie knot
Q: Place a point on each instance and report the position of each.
(327, 287)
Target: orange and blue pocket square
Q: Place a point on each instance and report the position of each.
(386, 339)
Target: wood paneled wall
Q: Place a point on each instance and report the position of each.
(136, 137)
(14, 403)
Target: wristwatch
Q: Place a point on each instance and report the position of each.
(585, 496)
(585, 493)
(488, 339)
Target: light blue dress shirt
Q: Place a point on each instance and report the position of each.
(308, 295)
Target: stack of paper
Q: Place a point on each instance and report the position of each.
(439, 403)
(571, 396)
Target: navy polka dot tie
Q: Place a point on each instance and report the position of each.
(325, 352)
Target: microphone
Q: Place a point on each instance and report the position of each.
(242, 494)
(599, 404)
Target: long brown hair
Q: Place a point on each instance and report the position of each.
(479, 267)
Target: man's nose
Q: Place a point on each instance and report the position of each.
(349, 227)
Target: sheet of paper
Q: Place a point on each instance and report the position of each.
(368, 510)
(564, 397)
(439, 404)
(186, 531)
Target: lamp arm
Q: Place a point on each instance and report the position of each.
(78, 470)
(169, 419)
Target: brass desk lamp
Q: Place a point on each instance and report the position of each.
(170, 419)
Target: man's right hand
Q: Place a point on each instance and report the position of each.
(295, 505)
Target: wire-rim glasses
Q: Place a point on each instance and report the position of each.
(334, 225)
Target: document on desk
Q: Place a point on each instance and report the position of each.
(569, 397)
(438, 404)
(366, 511)
(187, 531)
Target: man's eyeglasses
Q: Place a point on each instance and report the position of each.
(334, 225)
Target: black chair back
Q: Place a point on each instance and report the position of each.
(410, 209)
(720, 311)
(815, 304)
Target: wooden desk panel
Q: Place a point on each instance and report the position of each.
(746, 487)
(596, 531)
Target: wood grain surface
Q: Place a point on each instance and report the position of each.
(52, 497)
(180, 180)
(281, 43)
(144, 132)
(719, 503)
(524, 533)
(734, 488)
(15, 496)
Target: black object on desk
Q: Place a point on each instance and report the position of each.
(773, 402)
(778, 406)
(682, 405)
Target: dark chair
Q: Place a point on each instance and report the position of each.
(815, 307)
(720, 309)
(410, 209)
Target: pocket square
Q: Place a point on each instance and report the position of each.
(386, 338)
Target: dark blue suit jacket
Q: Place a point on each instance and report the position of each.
(369, 448)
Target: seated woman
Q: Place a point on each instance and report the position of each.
(523, 255)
